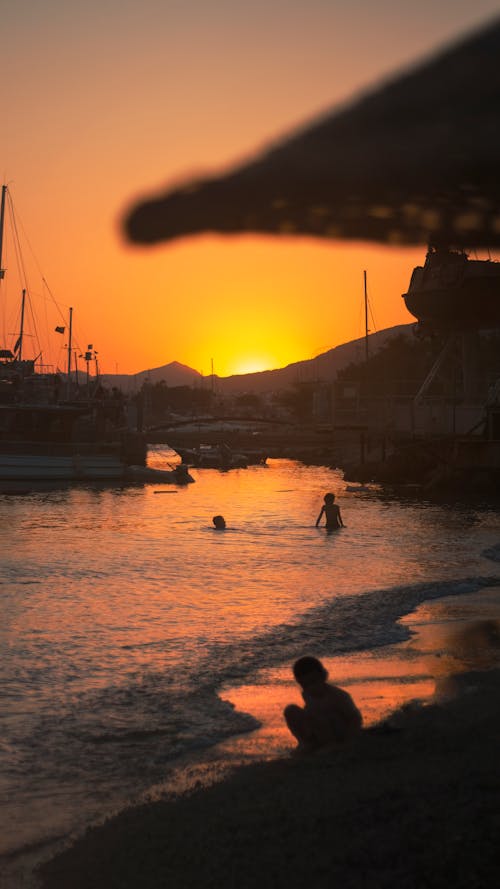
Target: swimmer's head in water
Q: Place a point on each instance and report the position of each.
(219, 522)
(309, 667)
(329, 498)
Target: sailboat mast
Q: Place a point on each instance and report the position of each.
(21, 332)
(2, 217)
(69, 348)
(366, 317)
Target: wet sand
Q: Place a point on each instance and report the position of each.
(412, 803)
(411, 807)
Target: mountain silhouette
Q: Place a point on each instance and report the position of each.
(322, 368)
(173, 374)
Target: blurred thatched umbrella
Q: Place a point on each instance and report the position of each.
(417, 160)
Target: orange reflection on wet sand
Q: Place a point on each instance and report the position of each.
(449, 637)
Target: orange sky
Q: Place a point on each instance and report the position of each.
(108, 100)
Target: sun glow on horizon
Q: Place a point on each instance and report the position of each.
(250, 365)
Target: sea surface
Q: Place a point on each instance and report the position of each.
(125, 618)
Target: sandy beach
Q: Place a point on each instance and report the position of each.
(413, 806)
(412, 803)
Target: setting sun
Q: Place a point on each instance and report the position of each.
(249, 364)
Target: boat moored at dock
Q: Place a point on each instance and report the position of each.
(219, 456)
(452, 291)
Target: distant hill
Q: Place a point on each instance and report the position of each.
(323, 367)
(174, 374)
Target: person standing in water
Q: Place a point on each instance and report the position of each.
(331, 512)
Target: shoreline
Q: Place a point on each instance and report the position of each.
(426, 783)
(415, 806)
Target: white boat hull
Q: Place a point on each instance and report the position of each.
(35, 467)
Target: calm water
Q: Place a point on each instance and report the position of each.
(123, 613)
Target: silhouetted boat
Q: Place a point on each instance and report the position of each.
(219, 457)
(51, 427)
(451, 291)
(40, 441)
(178, 475)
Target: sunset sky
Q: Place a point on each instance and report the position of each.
(108, 100)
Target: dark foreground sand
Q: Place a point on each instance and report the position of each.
(416, 805)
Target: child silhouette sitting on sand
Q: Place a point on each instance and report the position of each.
(331, 512)
(329, 716)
